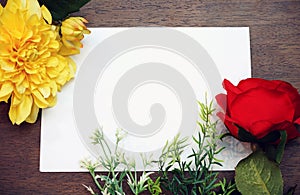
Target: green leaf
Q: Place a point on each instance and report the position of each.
(281, 145)
(62, 8)
(274, 152)
(256, 174)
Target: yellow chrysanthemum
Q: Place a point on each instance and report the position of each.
(72, 32)
(31, 68)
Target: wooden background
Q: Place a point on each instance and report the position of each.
(275, 47)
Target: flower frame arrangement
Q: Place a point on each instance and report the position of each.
(37, 41)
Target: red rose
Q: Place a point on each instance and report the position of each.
(260, 107)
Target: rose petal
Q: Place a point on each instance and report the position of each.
(231, 90)
(228, 86)
(251, 83)
(221, 115)
(293, 133)
(277, 85)
(297, 121)
(297, 109)
(292, 93)
(260, 129)
(232, 128)
(261, 104)
(222, 101)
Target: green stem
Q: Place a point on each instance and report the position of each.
(280, 147)
(103, 148)
(96, 181)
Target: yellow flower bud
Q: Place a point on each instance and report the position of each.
(72, 32)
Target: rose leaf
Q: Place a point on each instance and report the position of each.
(256, 174)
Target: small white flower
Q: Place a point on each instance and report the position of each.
(88, 164)
(120, 134)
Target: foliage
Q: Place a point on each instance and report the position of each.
(62, 8)
(154, 186)
(110, 161)
(256, 174)
(191, 176)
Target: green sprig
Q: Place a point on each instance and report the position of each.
(190, 176)
(194, 176)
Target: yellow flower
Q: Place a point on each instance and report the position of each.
(31, 68)
(72, 32)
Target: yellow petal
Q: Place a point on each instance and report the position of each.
(72, 66)
(53, 87)
(19, 79)
(33, 114)
(52, 62)
(46, 14)
(33, 8)
(30, 69)
(45, 54)
(5, 91)
(13, 22)
(52, 101)
(67, 43)
(79, 22)
(72, 22)
(78, 44)
(7, 66)
(39, 100)
(18, 113)
(24, 109)
(21, 89)
(33, 20)
(27, 35)
(1, 9)
(52, 72)
(54, 45)
(67, 31)
(16, 99)
(68, 51)
(45, 91)
(13, 5)
(63, 77)
(35, 78)
(73, 38)
(12, 113)
(86, 31)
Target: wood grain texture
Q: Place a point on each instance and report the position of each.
(275, 47)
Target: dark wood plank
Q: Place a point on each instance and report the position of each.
(275, 46)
